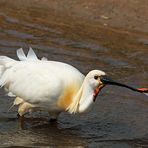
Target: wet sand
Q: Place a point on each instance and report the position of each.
(88, 36)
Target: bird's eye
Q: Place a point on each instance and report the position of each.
(96, 77)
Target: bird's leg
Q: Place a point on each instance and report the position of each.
(53, 120)
(53, 116)
(18, 116)
(21, 121)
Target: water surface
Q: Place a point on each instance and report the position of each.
(119, 117)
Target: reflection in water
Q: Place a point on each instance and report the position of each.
(119, 117)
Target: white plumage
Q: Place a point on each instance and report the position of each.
(47, 85)
(51, 86)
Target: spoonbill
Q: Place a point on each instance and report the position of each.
(50, 85)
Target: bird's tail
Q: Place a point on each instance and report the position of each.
(5, 63)
(1, 70)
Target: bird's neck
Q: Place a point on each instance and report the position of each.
(82, 100)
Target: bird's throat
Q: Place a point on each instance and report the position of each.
(97, 91)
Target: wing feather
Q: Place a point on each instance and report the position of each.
(31, 55)
(21, 55)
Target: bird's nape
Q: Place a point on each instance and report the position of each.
(108, 81)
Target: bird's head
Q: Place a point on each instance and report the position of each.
(93, 79)
(93, 83)
(97, 79)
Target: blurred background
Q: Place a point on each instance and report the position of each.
(110, 35)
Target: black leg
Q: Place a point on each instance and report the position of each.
(53, 116)
(21, 122)
(18, 116)
(53, 120)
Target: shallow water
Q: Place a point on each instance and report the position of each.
(119, 117)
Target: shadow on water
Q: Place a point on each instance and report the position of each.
(119, 116)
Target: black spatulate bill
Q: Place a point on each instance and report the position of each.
(108, 81)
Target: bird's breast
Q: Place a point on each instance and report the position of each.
(66, 99)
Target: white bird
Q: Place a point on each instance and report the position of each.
(50, 85)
